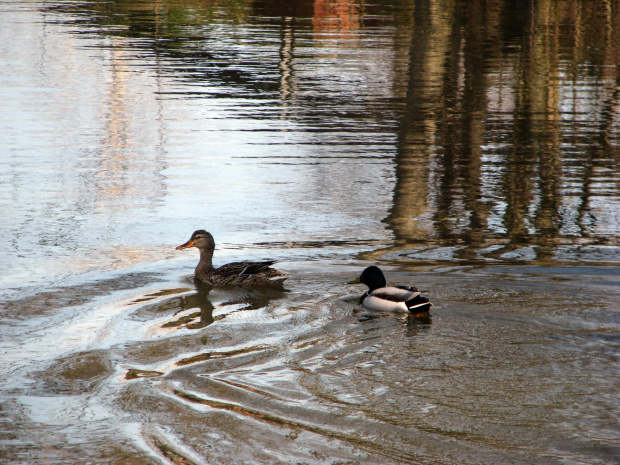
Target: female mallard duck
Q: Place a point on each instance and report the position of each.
(390, 298)
(255, 273)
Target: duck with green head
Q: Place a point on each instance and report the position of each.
(381, 297)
(252, 273)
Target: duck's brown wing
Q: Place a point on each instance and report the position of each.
(239, 269)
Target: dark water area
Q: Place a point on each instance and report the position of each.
(468, 148)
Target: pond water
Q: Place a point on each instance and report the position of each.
(470, 148)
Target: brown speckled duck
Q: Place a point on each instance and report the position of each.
(252, 273)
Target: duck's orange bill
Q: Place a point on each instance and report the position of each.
(187, 245)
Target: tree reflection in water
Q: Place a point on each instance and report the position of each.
(506, 113)
(508, 137)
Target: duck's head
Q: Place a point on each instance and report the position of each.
(200, 239)
(372, 277)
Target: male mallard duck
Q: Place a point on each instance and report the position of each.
(390, 298)
(256, 273)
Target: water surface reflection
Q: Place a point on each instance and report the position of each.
(470, 148)
(498, 123)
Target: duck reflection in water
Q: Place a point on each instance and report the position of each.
(238, 298)
(418, 324)
(415, 325)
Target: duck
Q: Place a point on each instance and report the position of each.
(250, 273)
(380, 296)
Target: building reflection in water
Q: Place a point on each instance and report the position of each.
(342, 17)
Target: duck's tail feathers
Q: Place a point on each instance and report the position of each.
(279, 279)
(256, 267)
(419, 304)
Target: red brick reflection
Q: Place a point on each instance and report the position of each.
(330, 16)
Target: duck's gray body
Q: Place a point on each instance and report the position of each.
(390, 299)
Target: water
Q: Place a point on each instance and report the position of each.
(469, 148)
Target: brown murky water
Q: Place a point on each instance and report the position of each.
(470, 148)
